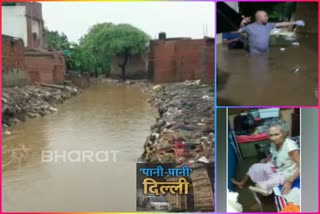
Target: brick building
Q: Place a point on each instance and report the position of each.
(13, 72)
(44, 66)
(24, 20)
(180, 59)
(25, 52)
(201, 193)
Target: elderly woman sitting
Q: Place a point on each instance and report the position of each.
(281, 167)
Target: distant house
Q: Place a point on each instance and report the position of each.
(25, 59)
(180, 59)
(24, 20)
(21, 66)
(136, 67)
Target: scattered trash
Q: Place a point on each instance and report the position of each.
(206, 97)
(20, 103)
(232, 202)
(282, 49)
(296, 69)
(203, 160)
(295, 43)
(7, 133)
(129, 82)
(184, 130)
(157, 87)
(53, 109)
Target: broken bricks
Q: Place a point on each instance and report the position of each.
(20, 103)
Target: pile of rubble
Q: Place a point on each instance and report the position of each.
(18, 104)
(184, 132)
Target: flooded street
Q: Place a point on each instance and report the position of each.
(284, 77)
(101, 118)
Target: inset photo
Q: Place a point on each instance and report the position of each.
(173, 187)
(263, 160)
(267, 53)
(111, 85)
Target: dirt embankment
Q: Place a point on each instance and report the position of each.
(21, 103)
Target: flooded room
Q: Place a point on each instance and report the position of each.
(267, 53)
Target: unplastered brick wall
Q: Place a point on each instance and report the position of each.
(34, 24)
(45, 67)
(182, 59)
(12, 54)
(188, 56)
(13, 73)
(163, 59)
(210, 65)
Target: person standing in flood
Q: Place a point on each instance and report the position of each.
(259, 32)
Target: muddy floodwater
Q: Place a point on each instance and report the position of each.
(287, 76)
(113, 119)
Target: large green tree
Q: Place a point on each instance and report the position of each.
(80, 59)
(56, 40)
(106, 40)
(77, 58)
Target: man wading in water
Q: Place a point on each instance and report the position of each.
(259, 31)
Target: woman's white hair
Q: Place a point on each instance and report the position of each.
(276, 122)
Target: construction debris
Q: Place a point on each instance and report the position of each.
(184, 131)
(20, 103)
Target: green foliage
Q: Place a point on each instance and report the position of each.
(96, 49)
(123, 39)
(56, 40)
(106, 40)
(278, 11)
(283, 11)
(89, 42)
(77, 58)
(81, 60)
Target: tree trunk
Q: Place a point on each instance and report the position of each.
(123, 67)
(95, 73)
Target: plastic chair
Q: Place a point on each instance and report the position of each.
(263, 192)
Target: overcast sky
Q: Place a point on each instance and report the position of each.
(177, 19)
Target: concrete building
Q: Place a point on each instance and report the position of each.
(136, 67)
(24, 20)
